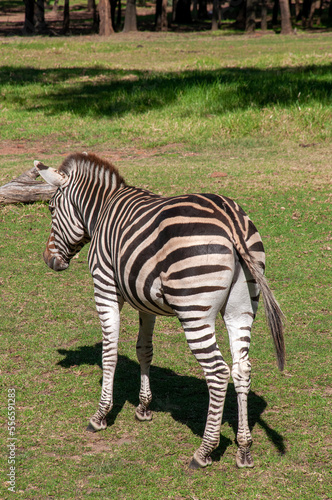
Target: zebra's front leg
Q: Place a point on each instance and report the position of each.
(217, 375)
(144, 351)
(110, 321)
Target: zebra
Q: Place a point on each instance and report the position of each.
(189, 256)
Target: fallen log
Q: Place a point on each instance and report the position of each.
(25, 189)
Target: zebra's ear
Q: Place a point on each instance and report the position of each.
(50, 175)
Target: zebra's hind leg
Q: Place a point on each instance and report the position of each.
(144, 351)
(241, 374)
(239, 313)
(217, 373)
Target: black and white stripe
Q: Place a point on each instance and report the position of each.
(189, 256)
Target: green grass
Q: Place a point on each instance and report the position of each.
(170, 110)
(161, 91)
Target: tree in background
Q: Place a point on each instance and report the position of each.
(116, 18)
(130, 23)
(105, 18)
(34, 17)
(161, 15)
(246, 12)
(29, 22)
(216, 15)
(264, 15)
(40, 24)
(95, 17)
(286, 24)
(66, 17)
(250, 8)
(182, 11)
(250, 16)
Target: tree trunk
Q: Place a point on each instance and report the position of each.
(194, 12)
(130, 23)
(161, 15)
(264, 16)
(320, 12)
(41, 26)
(240, 22)
(25, 189)
(119, 16)
(29, 23)
(202, 9)
(113, 8)
(105, 20)
(275, 11)
(65, 25)
(55, 6)
(174, 7)
(250, 17)
(183, 14)
(286, 25)
(306, 6)
(315, 5)
(95, 20)
(215, 15)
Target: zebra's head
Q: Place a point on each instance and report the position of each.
(68, 233)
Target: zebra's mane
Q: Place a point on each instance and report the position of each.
(90, 163)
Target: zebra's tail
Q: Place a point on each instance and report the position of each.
(273, 313)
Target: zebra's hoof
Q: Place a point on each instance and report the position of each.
(90, 428)
(243, 457)
(198, 463)
(95, 426)
(143, 414)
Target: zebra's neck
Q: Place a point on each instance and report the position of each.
(93, 183)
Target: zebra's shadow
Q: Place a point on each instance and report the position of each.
(184, 397)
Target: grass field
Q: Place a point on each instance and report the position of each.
(172, 112)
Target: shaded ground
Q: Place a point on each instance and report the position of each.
(81, 20)
(12, 21)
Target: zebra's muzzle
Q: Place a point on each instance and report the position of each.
(55, 263)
